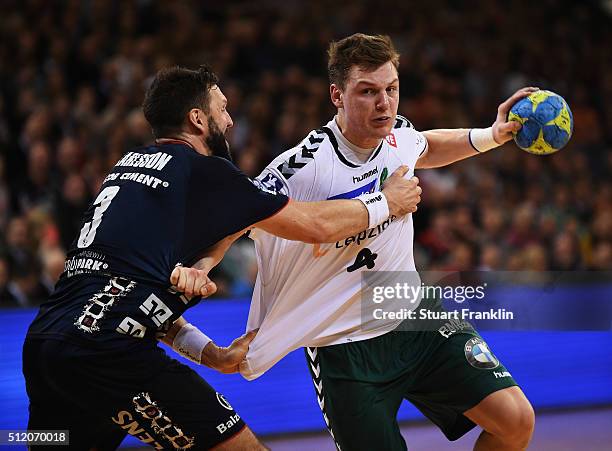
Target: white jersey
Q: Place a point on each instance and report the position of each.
(309, 295)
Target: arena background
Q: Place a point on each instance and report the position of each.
(72, 77)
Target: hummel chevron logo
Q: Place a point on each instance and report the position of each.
(312, 352)
(316, 139)
(321, 402)
(318, 386)
(311, 145)
(326, 419)
(304, 155)
(315, 371)
(402, 122)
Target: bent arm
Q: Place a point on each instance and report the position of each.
(207, 355)
(215, 253)
(446, 146)
(197, 347)
(449, 145)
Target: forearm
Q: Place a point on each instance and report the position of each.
(176, 326)
(216, 253)
(207, 356)
(333, 220)
(446, 146)
(194, 280)
(338, 219)
(318, 222)
(191, 343)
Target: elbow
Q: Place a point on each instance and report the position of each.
(427, 161)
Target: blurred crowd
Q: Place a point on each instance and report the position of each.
(73, 74)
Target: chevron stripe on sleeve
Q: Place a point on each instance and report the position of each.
(304, 154)
(402, 122)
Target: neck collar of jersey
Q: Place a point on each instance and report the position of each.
(162, 141)
(348, 153)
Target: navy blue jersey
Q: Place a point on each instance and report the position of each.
(161, 205)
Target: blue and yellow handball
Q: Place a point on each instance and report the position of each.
(547, 122)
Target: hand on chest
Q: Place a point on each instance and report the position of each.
(348, 183)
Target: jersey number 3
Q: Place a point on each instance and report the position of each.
(88, 232)
(365, 257)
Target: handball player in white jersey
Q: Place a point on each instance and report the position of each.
(310, 295)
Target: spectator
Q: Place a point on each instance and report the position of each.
(491, 258)
(19, 242)
(26, 287)
(522, 231)
(565, 253)
(53, 266)
(70, 206)
(36, 189)
(7, 300)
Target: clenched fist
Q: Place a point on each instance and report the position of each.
(403, 195)
(192, 282)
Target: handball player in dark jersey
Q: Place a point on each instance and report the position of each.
(91, 360)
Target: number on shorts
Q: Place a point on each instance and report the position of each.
(88, 232)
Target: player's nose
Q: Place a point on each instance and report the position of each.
(382, 102)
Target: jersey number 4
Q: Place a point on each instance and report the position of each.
(365, 257)
(88, 232)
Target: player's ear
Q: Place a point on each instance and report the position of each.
(196, 119)
(336, 95)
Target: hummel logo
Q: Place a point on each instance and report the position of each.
(365, 176)
(500, 374)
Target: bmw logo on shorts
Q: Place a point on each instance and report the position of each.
(479, 355)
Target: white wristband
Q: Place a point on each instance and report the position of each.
(190, 342)
(482, 139)
(378, 209)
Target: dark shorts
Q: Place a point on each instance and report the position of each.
(360, 385)
(100, 397)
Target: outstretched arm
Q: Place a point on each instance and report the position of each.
(331, 220)
(446, 146)
(191, 343)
